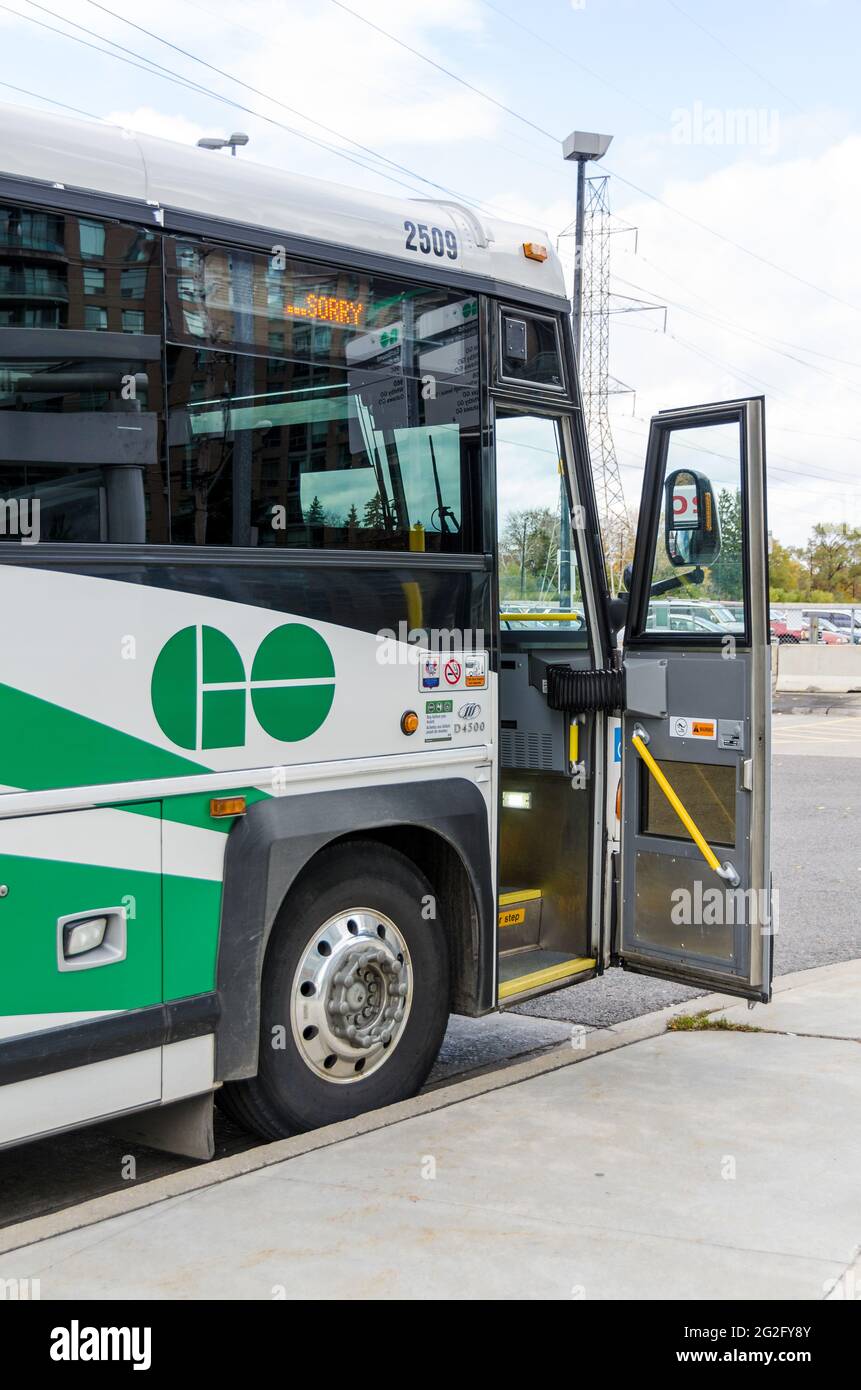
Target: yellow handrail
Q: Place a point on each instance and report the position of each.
(724, 870)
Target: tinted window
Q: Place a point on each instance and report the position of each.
(320, 407)
(688, 598)
(80, 400)
(268, 452)
(227, 298)
(529, 349)
(539, 575)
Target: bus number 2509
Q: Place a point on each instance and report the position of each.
(425, 239)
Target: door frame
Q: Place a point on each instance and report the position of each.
(755, 644)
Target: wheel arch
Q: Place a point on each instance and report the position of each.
(441, 826)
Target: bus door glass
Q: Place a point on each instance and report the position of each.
(695, 885)
(545, 752)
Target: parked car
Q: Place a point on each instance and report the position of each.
(830, 634)
(692, 616)
(842, 621)
(782, 630)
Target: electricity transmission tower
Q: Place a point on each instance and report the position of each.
(596, 381)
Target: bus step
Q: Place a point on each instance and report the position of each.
(524, 972)
(519, 917)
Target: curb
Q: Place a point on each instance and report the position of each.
(595, 1042)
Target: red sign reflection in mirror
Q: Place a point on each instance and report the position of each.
(685, 508)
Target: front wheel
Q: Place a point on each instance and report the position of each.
(355, 994)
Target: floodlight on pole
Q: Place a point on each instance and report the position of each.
(214, 142)
(582, 146)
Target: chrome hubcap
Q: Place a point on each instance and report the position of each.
(351, 995)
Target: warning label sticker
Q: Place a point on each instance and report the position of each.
(429, 672)
(439, 720)
(447, 671)
(475, 670)
(512, 917)
(692, 726)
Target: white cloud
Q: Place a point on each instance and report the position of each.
(801, 214)
(148, 121)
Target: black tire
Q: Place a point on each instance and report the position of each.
(287, 1096)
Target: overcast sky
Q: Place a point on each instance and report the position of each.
(743, 118)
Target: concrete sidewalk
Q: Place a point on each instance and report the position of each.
(708, 1164)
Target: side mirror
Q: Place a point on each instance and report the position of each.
(691, 520)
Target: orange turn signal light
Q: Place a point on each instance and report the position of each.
(534, 251)
(409, 721)
(227, 806)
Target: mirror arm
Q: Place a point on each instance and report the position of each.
(619, 612)
(665, 586)
(619, 605)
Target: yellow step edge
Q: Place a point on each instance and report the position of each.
(526, 895)
(545, 977)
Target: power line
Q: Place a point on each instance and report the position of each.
(748, 335)
(737, 56)
(24, 91)
(737, 245)
(158, 70)
(644, 192)
(562, 53)
(784, 342)
(440, 67)
(211, 67)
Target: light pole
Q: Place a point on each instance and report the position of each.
(581, 145)
(214, 142)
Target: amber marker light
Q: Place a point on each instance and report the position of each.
(227, 806)
(534, 251)
(409, 721)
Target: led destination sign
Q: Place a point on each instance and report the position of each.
(327, 308)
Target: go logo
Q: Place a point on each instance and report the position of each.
(200, 689)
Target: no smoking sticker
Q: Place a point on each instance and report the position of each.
(452, 671)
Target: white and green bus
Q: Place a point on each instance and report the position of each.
(314, 723)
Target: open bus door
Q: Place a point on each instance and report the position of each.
(694, 900)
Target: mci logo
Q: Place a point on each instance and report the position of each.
(200, 689)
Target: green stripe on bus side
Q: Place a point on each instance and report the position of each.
(43, 890)
(54, 747)
(192, 915)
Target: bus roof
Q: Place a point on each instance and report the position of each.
(105, 159)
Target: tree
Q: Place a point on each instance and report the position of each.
(832, 558)
(316, 516)
(726, 579)
(527, 552)
(374, 514)
(788, 580)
